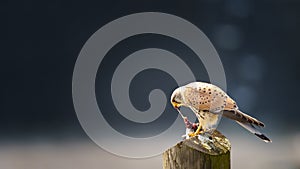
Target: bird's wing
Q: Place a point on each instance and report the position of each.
(213, 99)
(239, 116)
(231, 111)
(209, 98)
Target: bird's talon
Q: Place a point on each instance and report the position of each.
(192, 134)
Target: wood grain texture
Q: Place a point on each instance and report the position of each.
(199, 154)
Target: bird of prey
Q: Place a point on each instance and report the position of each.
(210, 103)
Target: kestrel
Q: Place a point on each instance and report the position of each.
(210, 103)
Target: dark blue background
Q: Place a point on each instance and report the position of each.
(258, 42)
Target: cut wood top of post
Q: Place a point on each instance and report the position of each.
(215, 145)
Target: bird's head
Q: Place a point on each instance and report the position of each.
(176, 98)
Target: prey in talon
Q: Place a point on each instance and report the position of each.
(190, 127)
(210, 104)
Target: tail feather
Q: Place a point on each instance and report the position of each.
(264, 138)
(239, 116)
(253, 130)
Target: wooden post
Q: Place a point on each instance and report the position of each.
(199, 153)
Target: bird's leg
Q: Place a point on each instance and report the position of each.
(197, 132)
(190, 127)
(193, 126)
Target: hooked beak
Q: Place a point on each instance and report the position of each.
(176, 105)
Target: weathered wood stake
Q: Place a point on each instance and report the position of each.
(199, 153)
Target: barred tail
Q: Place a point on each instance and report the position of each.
(253, 130)
(239, 116)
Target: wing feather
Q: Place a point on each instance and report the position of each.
(239, 116)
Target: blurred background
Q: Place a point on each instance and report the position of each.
(258, 43)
